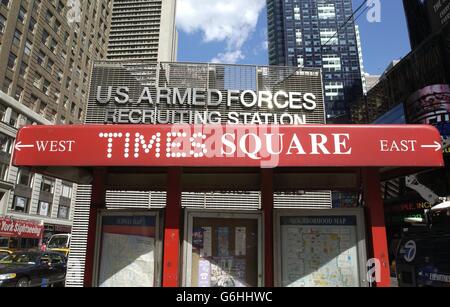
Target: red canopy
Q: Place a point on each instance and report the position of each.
(229, 146)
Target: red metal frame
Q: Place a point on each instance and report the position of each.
(267, 207)
(171, 252)
(377, 228)
(98, 202)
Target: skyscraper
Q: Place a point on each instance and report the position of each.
(46, 52)
(143, 30)
(418, 20)
(319, 33)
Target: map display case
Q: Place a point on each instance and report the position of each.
(223, 250)
(316, 248)
(128, 249)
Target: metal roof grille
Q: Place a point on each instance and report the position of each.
(135, 200)
(227, 201)
(76, 262)
(137, 75)
(309, 200)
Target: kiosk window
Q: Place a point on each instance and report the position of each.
(319, 251)
(224, 252)
(127, 251)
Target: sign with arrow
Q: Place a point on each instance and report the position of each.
(229, 146)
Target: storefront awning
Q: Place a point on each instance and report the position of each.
(20, 229)
(74, 150)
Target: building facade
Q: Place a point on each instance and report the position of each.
(143, 30)
(46, 52)
(142, 33)
(424, 18)
(311, 33)
(418, 20)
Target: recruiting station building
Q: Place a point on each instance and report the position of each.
(198, 175)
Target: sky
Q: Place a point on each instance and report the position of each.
(235, 31)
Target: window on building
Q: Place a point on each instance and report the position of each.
(2, 24)
(32, 25)
(20, 204)
(4, 171)
(53, 45)
(50, 64)
(328, 37)
(331, 62)
(12, 60)
(45, 36)
(2, 112)
(7, 85)
(6, 2)
(326, 11)
(66, 191)
(22, 15)
(25, 178)
(46, 87)
(63, 212)
(38, 81)
(28, 47)
(17, 37)
(48, 185)
(23, 69)
(42, 108)
(18, 94)
(44, 208)
(334, 90)
(14, 119)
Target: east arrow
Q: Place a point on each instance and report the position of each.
(436, 145)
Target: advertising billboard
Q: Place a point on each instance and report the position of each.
(431, 106)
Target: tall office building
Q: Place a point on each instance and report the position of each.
(143, 30)
(311, 33)
(418, 20)
(46, 52)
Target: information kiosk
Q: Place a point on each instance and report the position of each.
(174, 247)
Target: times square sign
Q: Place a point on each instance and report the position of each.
(205, 106)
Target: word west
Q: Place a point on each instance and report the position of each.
(255, 146)
(55, 146)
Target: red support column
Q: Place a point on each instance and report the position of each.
(173, 213)
(377, 229)
(98, 202)
(267, 207)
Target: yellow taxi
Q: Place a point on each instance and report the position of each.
(4, 253)
(59, 243)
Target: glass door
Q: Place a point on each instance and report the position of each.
(223, 250)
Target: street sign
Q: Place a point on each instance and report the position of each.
(229, 146)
